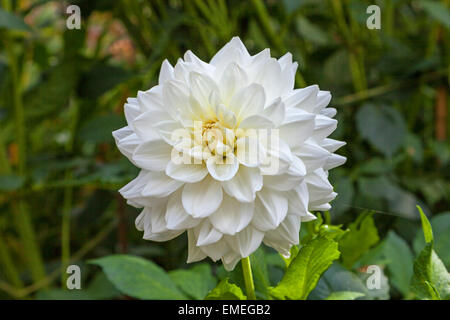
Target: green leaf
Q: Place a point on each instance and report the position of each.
(379, 124)
(12, 22)
(430, 279)
(259, 271)
(337, 279)
(399, 261)
(362, 235)
(304, 272)
(102, 78)
(293, 253)
(441, 234)
(196, 282)
(344, 295)
(426, 226)
(53, 93)
(99, 288)
(437, 11)
(346, 191)
(10, 182)
(139, 278)
(226, 291)
(98, 129)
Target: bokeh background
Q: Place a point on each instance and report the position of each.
(62, 94)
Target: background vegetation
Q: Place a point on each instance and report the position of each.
(62, 94)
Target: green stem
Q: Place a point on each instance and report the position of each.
(68, 196)
(248, 278)
(20, 210)
(7, 262)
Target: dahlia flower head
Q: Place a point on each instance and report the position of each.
(230, 152)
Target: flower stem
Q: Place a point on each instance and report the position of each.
(248, 278)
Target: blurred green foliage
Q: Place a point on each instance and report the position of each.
(62, 93)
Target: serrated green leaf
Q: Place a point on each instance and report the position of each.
(426, 226)
(431, 278)
(196, 282)
(226, 291)
(440, 224)
(344, 295)
(305, 270)
(139, 278)
(362, 236)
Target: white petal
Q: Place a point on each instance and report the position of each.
(232, 216)
(202, 86)
(270, 209)
(151, 100)
(216, 250)
(331, 144)
(269, 77)
(153, 155)
(322, 207)
(233, 78)
(232, 51)
(329, 112)
(186, 172)
(132, 111)
(202, 198)
(175, 97)
(324, 126)
(283, 182)
(176, 217)
(285, 61)
(304, 98)
(244, 184)
(194, 252)
(222, 170)
(323, 99)
(286, 235)
(313, 155)
(225, 116)
(134, 188)
(245, 242)
(166, 72)
(334, 161)
(144, 124)
(230, 260)
(207, 234)
(248, 101)
(189, 56)
(249, 151)
(256, 122)
(279, 158)
(298, 127)
(160, 185)
(126, 140)
(275, 111)
(298, 199)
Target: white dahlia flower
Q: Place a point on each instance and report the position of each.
(230, 152)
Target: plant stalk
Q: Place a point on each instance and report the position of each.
(248, 278)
